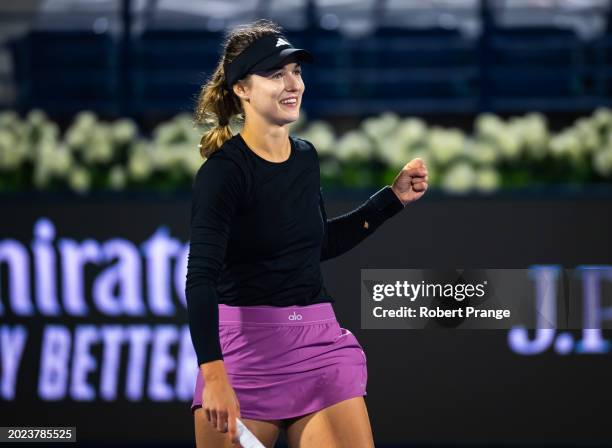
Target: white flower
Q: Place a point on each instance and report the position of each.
(36, 117)
(162, 157)
(62, 161)
(173, 132)
(602, 162)
(411, 130)
(49, 132)
(163, 133)
(321, 135)
(98, 149)
(460, 178)
(487, 180)
(194, 162)
(482, 153)
(85, 119)
(8, 119)
(354, 145)
(104, 151)
(43, 170)
(394, 152)
(79, 179)
(445, 145)
(124, 130)
(188, 160)
(52, 160)
(117, 177)
(10, 156)
(192, 136)
(509, 140)
(184, 120)
(602, 117)
(13, 151)
(488, 126)
(179, 157)
(588, 134)
(6, 138)
(140, 163)
(566, 144)
(535, 134)
(76, 137)
(379, 127)
(393, 139)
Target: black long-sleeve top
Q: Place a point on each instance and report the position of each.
(259, 232)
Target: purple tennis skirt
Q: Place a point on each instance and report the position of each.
(285, 362)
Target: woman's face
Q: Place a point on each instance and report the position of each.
(268, 91)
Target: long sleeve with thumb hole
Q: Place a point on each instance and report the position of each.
(346, 231)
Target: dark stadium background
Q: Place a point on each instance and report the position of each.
(443, 61)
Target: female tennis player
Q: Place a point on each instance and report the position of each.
(269, 348)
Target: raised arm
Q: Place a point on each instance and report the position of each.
(344, 232)
(218, 187)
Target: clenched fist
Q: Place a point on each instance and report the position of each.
(411, 182)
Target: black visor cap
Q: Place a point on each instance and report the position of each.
(266, 53)
(278, 60)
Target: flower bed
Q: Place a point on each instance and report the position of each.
(519, 152)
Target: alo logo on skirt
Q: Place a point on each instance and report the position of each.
(295, 316)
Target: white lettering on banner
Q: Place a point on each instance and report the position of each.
(159, 389)
(45, 268)
(185, 375)
(12, 343)
(139, 338)
(85, 364)
(159, 250)
(124, 276)
(74, 258)
(118, 266)
(54, 357)
(112, 337)
(62, 277)
(594, 313)
(546, 334)
(16, 257)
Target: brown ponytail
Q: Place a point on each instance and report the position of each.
(216, 106)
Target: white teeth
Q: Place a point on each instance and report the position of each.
(291, 101)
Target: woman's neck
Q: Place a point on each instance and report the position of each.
(270, 143)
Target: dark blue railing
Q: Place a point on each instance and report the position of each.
(408, 71)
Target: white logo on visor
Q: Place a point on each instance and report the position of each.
(281, 41)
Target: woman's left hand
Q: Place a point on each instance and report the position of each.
(411, 182)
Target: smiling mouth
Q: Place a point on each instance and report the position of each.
(290, 105)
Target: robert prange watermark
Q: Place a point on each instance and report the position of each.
(531, 298)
